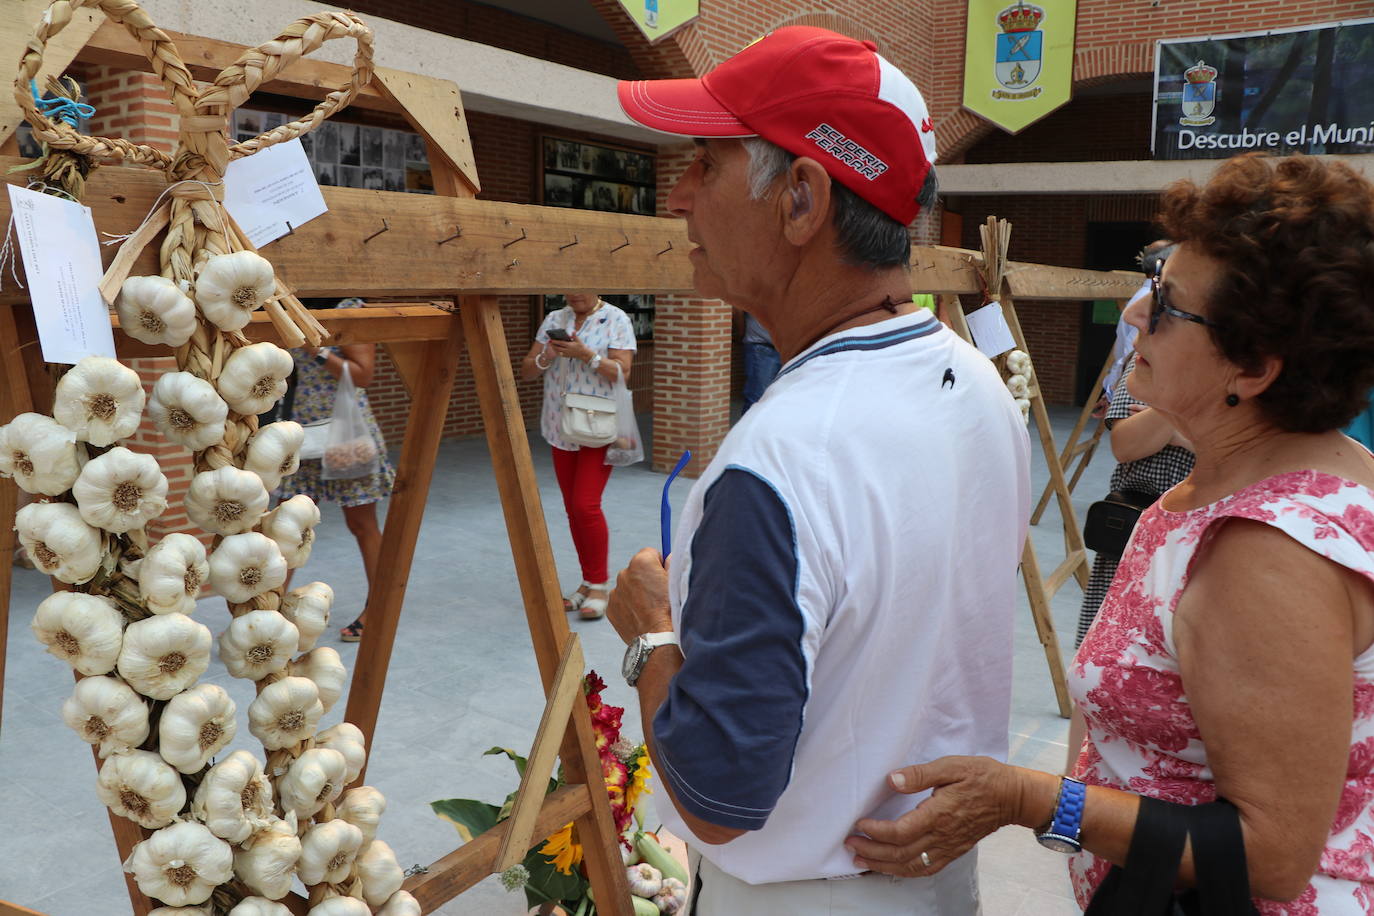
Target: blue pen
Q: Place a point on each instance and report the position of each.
(666, 511)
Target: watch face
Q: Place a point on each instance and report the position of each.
(629, 667)
(1058, 843)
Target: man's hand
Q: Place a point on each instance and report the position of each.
(639, 603)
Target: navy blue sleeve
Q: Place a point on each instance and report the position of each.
(727, 731)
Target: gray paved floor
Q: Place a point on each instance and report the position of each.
(462, 679)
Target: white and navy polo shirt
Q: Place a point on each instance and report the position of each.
(843, 582)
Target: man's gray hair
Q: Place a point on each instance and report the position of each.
(868, 237)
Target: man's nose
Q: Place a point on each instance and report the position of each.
(680, 197)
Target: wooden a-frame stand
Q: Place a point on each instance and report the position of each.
(1074, 450)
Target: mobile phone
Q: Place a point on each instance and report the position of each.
(559, 334)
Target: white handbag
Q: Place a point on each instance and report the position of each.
(589, 420)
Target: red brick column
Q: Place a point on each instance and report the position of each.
(692, 354)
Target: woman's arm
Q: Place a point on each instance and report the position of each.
(360, 358)
(529, 368)
(1142, 434)
(576, 349)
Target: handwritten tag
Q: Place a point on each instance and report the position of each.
(275, 186)
(62, 268)
(990, 331)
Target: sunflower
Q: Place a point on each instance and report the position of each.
(639, 782)
(563, 850)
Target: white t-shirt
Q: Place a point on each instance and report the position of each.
(843, 582)
(607, 328)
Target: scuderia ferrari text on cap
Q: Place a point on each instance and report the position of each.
(814, 93)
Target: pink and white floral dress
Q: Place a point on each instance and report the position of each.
(1141, 734)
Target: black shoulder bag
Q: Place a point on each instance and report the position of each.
(1110, 521)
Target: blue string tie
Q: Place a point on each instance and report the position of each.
(69, 111)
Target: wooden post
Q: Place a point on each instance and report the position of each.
(1073, 449)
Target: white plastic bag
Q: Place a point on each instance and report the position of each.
(351, 451)
(628, 447)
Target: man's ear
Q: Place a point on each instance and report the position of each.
(807, 201)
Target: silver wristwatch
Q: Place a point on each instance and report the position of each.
(638, 651)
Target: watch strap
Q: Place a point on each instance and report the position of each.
(1067, 822)
(654, 640)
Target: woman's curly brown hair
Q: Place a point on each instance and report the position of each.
(1295, 238)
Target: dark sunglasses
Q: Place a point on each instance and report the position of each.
(1162, 307)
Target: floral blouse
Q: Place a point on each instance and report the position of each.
(607, 328)
(1141, 734)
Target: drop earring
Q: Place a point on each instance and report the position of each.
(1232, 399)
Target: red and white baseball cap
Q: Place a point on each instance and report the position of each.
(814, 93)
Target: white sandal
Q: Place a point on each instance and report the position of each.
(578, 598)
(594, 608)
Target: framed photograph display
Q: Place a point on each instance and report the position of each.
(593, 176)
(352, 155)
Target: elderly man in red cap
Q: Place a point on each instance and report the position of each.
(841, 593)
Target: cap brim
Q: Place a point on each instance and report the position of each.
(681, 107)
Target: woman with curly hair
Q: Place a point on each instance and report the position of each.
(1233, 657)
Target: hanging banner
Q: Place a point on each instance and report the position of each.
(656, 18)
(1294, 91)
(1018, 60)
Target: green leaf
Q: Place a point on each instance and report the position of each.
(471, 817)
(515, 758)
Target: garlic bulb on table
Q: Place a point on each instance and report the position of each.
(254, 377)
(155, 311)
(308, 608)
(181, 864)
(381, 874)
(188, 410)
(267, 861)
(347, 739)
(259, 906)
(285, 713)
(274, 452)
(100, 400)
(140, 786)
(339, 906)
(106, 712)
(312, 781)
(195, 726)
(40, 454)
(257, 644)
(328, 851)
(401, 903)
(363, 808)
(85, 631)
(235, 798)
(170, 576)
(226, 500)
(323, 666)
(246, 565)
(59, 541)
(230, 287)
(121, 490)
(292, 526)
(164, 654)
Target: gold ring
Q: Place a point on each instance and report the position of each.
(925, 859)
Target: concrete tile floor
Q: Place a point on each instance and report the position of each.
(462, 679)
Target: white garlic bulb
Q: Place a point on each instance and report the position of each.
(40, 454)
(155, 311)
(254, 377)
(170, 576)
(257, 644)
(188, 410)
(246, 565)
(267, 861)
(328, 851)
(1019, 363)
(181, 864)
(312, 781)
(231, 287)
(181, 911)
(381, 874)
(235, 798)
(140, 786)
(121, 490)
(274, 452)
(195, 726)
(85, 631)
(164, 654)
(363, 808)
(226, 500)
(339, 906)
(308, 608)
(323, 666)
(1018, 386)
(106, 712)
(401, 903)
(347, 739)
(285, 712)
(259, 906)
(100, 400)
(1025, 406)
(59, 541)
(292, 526)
